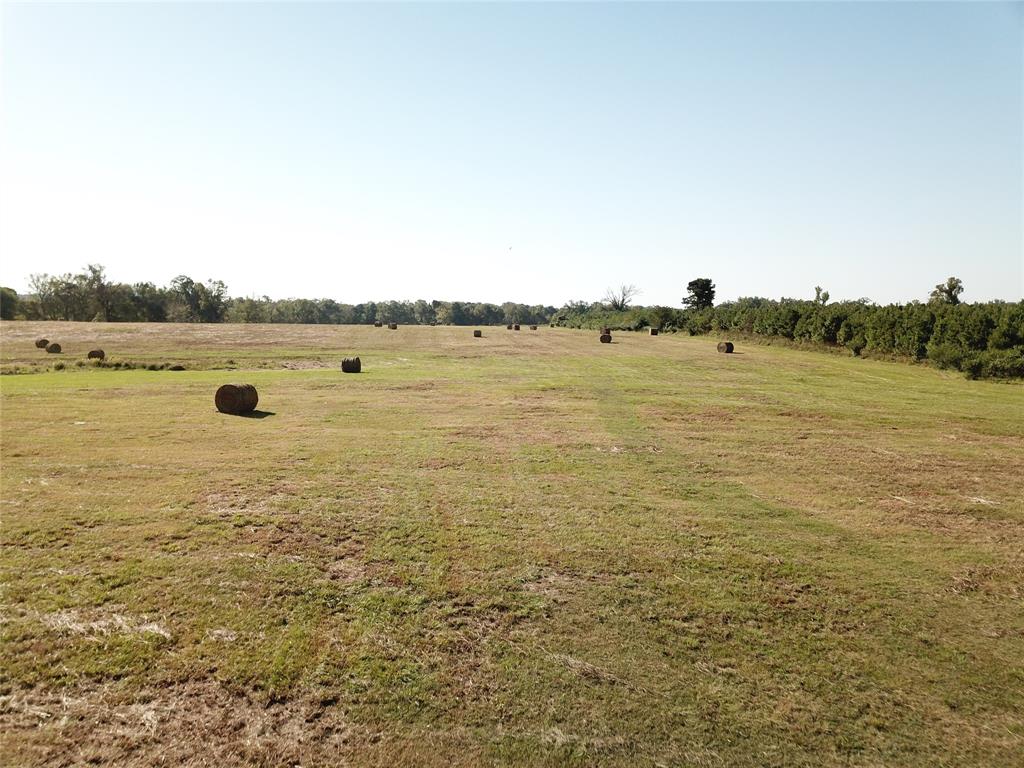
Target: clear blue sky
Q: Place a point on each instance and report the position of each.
(535, 153)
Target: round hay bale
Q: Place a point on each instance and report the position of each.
(478, 334)
(515, 327)
(725, 346)
(236, 399)
(654, 331)
(606, 338)
(378, 324)
(96, 354)
(177, 367)
(508, 327)
(351, 365)
(53, 348)
(393, 326)
(41, 343)
(533, 327)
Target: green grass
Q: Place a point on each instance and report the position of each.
(529, 548)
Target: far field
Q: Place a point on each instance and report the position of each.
(525, 549)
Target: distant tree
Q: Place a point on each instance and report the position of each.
(149, 303)
(443, 313)
(424, 312)
(618, 298)
(64, 297)
(100, 293)
(247, 310)
(8, 303)
(701, 294)
(183, 289)
(820, 296)
(199, 303)
(458, 313)
(509, 312)
(948, 292)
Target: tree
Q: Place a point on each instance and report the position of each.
(149, 303)
(199, 303)
(948, 292)
(701, 294)
(213, 301)
(423, 312)
(618, 299)
(820, 296)
(61, 298)
(100, 292)
(8, 303)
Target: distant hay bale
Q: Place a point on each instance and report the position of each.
(378, 324)
(508, 327)
(654, 331)
(478, 334)
(96, 354)
(393, 326)
(606, 338)
(53, 348)
(351, 365)
(515, 327)
(42, 343)
(178, 367)
(236, 399)
(725, 346)
(533, 327)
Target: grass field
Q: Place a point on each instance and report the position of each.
(525, 549)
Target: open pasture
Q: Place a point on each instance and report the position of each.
(529, 548)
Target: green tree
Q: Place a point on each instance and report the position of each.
(101, 296)
(149, 303)
(8, 303)
(198, 303)
(424, 312)
(948, 292)
(700, 294)
(61, 298)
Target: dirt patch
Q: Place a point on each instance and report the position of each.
(706, 417)
(419, 386)
(441, 463)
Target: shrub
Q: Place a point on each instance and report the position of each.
(996, 364)
(945, 354)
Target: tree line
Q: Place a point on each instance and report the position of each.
(984, 339)
(90, 296)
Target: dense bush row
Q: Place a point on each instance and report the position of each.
(983, 340)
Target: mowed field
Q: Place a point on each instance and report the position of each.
(525, 549)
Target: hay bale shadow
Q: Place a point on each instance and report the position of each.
(257, 414)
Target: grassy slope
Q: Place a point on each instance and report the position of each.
(527, 548)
